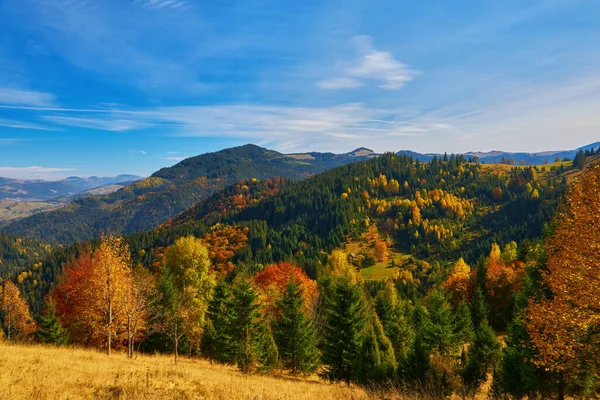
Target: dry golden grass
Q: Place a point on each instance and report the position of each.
(41, 372)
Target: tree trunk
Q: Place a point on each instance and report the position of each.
(561, 387)
(109, 328)
(176, 338)
(129, 338)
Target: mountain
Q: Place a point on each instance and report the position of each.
(503, 157)
(40, 190)
(148, 203)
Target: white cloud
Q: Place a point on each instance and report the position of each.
(339, 83)
(177, 159)
(102, 124)
(10, 123)
(34, 172)
(372, 65)
(137, 152)
(20, 97)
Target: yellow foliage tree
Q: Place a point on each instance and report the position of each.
(16, 318)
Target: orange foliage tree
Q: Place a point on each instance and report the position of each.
(274, 278)
(91, 298)
(565, 328)
(16, 318)
(503, 279)
(458, 282)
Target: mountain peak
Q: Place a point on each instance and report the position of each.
(361, 152)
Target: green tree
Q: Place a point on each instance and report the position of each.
(50, 329)
(295, 332)
(479, 308)
(438, 328)
(463, 323)
(245, 325)
(396, 324)
(216, 341)
(484, 352)
(345, 320)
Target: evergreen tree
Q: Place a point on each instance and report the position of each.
(416, 365)
(438, 328)
(51, 330)
(216, 341)
(463, 323)
(579, 161)
(484, 352)
(479, 308)
(344, 327)
(368, 365)
(395, 323)
(268, 353)
(295, 333)
(245, 327)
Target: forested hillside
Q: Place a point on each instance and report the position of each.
(434, 212)
(270, 275)
(148, 203)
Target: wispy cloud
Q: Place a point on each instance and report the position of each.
(34, 172)
(175, 4)
(21, 97)
(10, 123)
(138, 152)
(371, 65)
(111, 124)
(177, 159)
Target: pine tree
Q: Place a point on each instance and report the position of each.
(463, 323)
(484, 352)
(438, 328)
(415, 366)
(51, 330)
(368, 365)
(479, 308)
(395, 323)
(245, 325)
(295, 333)
(268, 353)
(344, 328)
(216, 342)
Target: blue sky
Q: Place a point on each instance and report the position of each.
(105, 87)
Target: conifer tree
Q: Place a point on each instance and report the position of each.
(245, 325)
(463, 323)
(345, 321)
(484, 352)
(295, 333)
(368, 364)
(216, 341)
(51, 330)
(479, 308)
(438, 328)
(395, 323)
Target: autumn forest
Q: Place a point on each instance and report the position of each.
(383, 274)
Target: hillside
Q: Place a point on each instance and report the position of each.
(40, 190)
(17, 254)
(86, 374)
(148, 203)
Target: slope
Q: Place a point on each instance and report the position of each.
(148, 203)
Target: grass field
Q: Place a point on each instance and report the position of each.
(40, 372)
(384, 269)
(10, 210)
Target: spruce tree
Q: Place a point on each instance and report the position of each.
(51, 330)
(344, 328)
(295, 333)
(479, 308)
(484, 352)
(438, 328)
(368, 365)
(463, 324)
(216, 341)
(396, 324)
(244, 327)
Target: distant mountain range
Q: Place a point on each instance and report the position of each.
(150, 202)
(496, 157)
(40, 190)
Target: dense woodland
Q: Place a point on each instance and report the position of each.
(256, 275)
